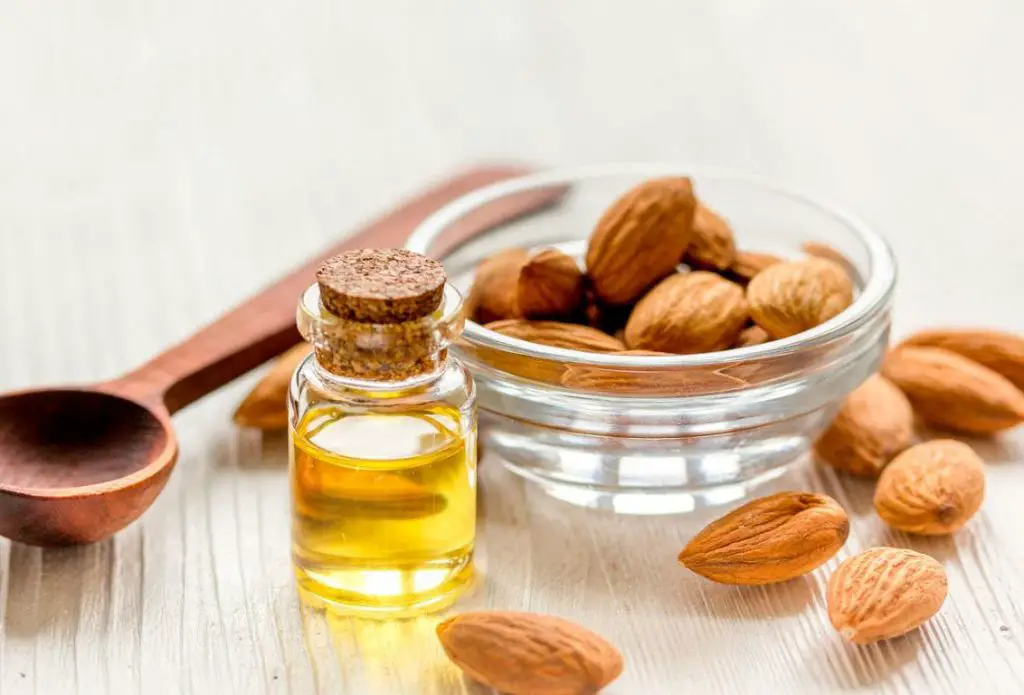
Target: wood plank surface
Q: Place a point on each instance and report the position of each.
(160, 160)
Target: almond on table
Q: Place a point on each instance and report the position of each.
(874, 423)
(1001, 352)
(769, 539)
(529, 654)
(931, 489)
(884, 593)
(266, 406)
(953, 392)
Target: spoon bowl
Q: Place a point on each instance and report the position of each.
(79, 464)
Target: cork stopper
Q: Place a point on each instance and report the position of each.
(381, 285)
(381, 315)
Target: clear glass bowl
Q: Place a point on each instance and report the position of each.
(654, 435)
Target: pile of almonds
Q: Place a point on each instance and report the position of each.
(964, 381)
(663, 276)
(968, 381)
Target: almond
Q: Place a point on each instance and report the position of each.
(747, 264)
(1001, 352)
(792, 297)
(640, 239)
(931, 489)
(820, 250)
(266, 406)
(874, 423)
(550, 285)
(712, 246)
(688, 313)
(953, 392)
(495, 291)
(770, 539)
(752, 335)
(555, 334)
(529, 654)
(884, 593)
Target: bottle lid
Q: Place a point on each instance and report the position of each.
(381, 285)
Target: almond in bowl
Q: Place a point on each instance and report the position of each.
(669, 263)
(629, 355)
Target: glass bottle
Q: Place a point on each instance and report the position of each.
(383, 439)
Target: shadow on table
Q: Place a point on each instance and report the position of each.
(942, 548)
(46, 587)
(857, 495)
(868, 666)
(767, 602)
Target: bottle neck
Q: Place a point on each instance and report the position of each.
(381, 382)
(380, 356)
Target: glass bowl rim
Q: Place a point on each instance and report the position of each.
(873, 298)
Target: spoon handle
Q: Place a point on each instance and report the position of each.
(264, 326)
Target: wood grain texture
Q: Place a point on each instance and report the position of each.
(198, 149)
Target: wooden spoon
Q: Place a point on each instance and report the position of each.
(79, 464)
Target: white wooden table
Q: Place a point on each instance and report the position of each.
(162, 160)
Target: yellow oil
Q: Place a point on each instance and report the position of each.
(384, 509)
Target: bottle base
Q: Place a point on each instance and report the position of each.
(384, 593)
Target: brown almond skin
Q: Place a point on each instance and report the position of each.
(688, 313)
(884, 593)
(831, 253)
(769, 539)
(874, 423)
(792, 297)
(266, 406)
(529, 654)
(713, 246)
(550, 286)
(751, 336)
(495, 292)
(1001, 352)
(747, 264)
(931, 489)
(952, 392)
(640, 239)
(555, 334)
